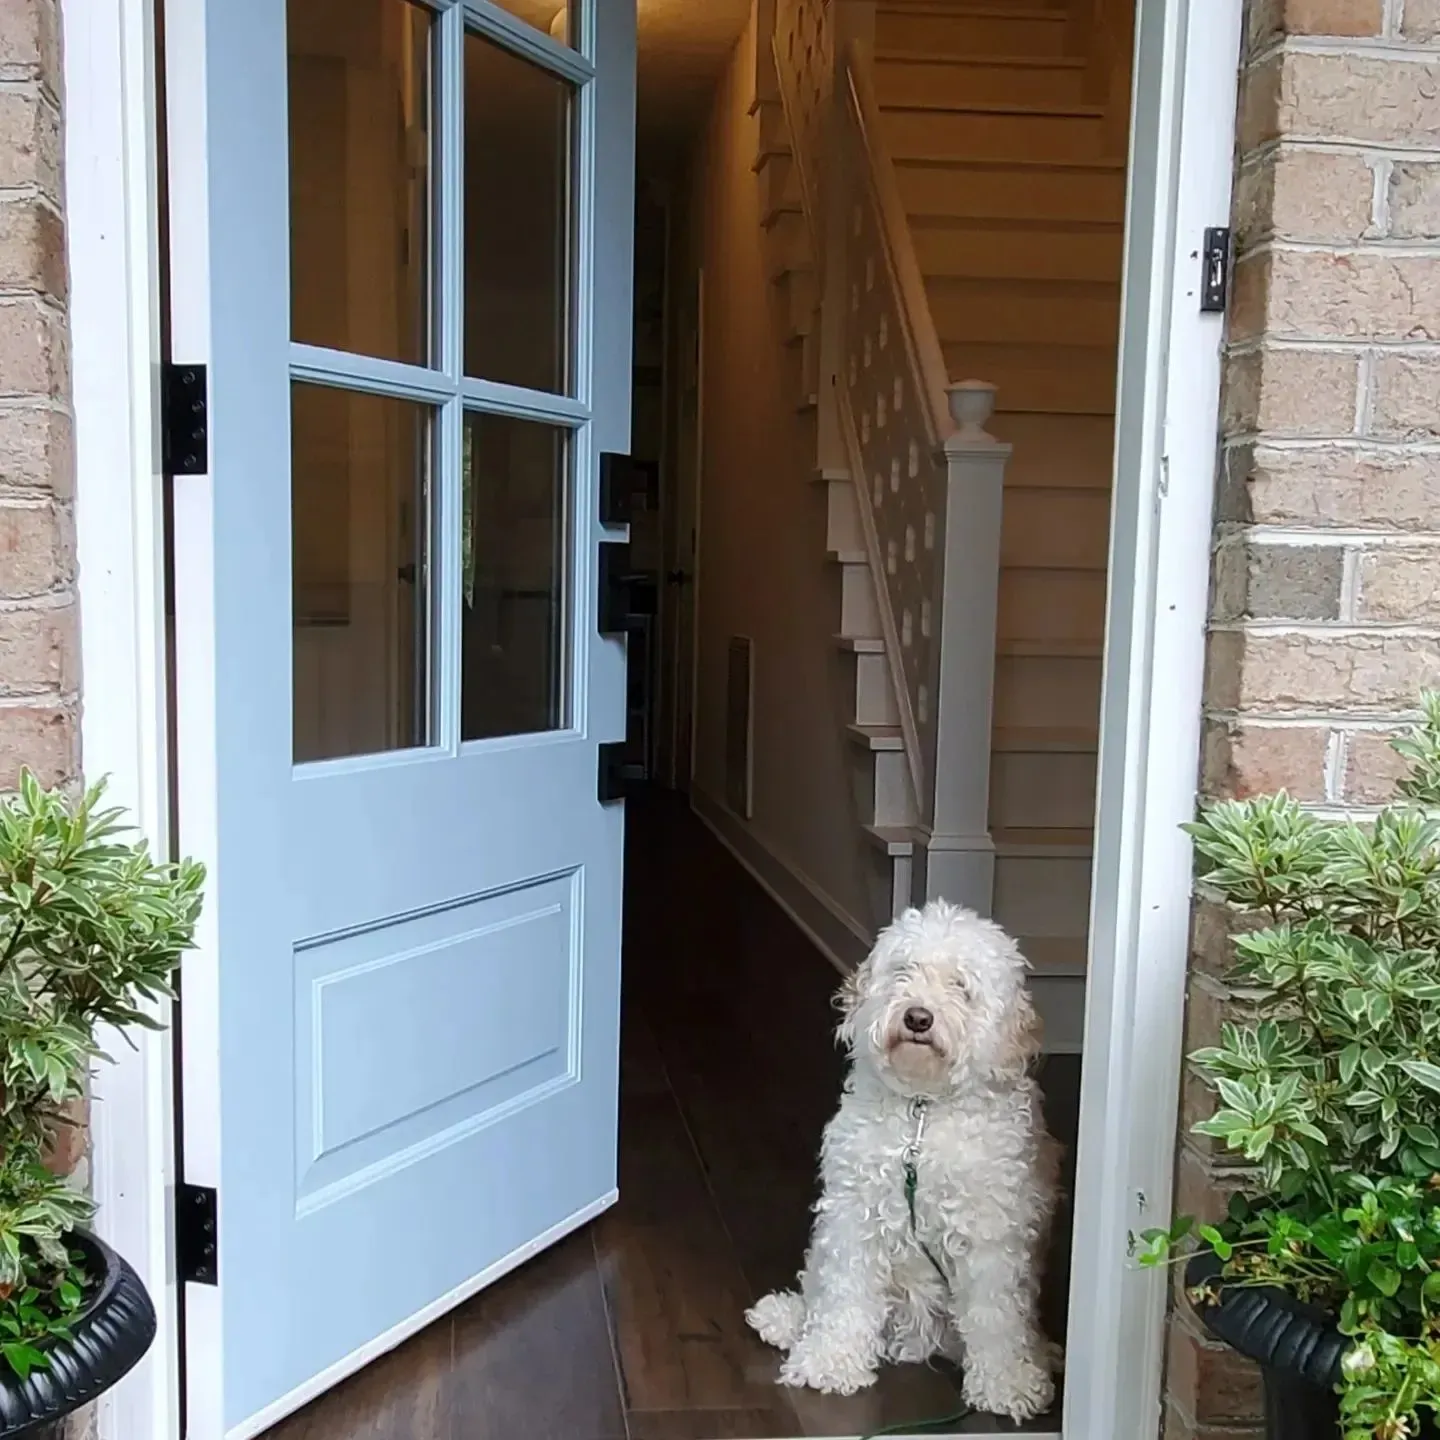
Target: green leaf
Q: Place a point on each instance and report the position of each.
(1349, 1061)
(23, 1358)
(1385, 1279)
(1423, 1071)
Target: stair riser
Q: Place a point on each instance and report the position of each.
(1062, 605)
(1075, 382)
(1057, 451)
(1088, 256)
(908, 82)
(1042, 895)
(944, 34)
(958, 134)
(881, 787)
(1042, 791)
(874, 692)
(1061, 529)
(859, 614)
(889, 886)
(842, 521)
(1035, 311)
(772, 135)
(779, 186)
(1060, 1004)
(1024, 192)
(1038, 691)
(797, 289)
(787, 245)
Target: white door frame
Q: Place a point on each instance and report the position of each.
(1186, 74)
(1170, 371)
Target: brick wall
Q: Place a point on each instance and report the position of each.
(1325, 614)
(39, 654)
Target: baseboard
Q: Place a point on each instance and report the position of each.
(1061, 1003)
(839, 937)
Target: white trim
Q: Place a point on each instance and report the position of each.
(272, 1414)
(1180, 181)
(113, 244)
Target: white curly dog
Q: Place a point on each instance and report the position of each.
(938, 1178)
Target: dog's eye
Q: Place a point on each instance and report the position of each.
(961, 984)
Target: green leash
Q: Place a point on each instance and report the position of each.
(910, 1158)
(914, 1427)
(912, 1180)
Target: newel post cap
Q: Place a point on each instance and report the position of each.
(972, 403)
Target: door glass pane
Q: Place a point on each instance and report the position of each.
(557, 20)
(360, 101)
(360, 532)
(517, 219)
(514, 537)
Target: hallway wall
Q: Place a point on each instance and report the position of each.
(762, 570)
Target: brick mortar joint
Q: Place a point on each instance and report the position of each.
(1277, 342)
(1371, 724)
(1375, 47)
(1378, 247)
(58, 701)
(1240, 535)
(29, 500)
(52, 601)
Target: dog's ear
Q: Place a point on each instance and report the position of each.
(847, 1001)
(1016, 1039)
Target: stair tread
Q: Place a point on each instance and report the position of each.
(1033, 841)
(1041, 649)
(973, 12)
(861, 644)
(847, 557)
(877, 737)
(1028, 163)
(894, 840)
(1019, 62)
(1037, 739)
(1066, 109)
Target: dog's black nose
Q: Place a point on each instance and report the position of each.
(918, 1019)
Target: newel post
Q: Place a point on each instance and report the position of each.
(958, 861)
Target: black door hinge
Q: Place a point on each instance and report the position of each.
(185, 420)
(197, 1234)
(626, 596)
(617, 487)
(1215, 262)
(619, 768)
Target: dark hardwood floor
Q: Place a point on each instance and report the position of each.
(633, 1328)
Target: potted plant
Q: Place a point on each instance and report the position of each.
(90, 929)
(1326, 1269)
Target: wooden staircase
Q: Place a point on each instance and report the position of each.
(999, 120)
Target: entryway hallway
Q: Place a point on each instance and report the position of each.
(633, 1328)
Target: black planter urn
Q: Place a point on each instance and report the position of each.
(1297, 1347)
(109, 1338)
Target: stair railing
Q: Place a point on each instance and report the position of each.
(928, 477)
(929, 481)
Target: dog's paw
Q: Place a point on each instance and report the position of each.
(777, 1318)
(1019, 1389)
(811, 1367)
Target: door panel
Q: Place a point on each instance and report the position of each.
(401, 1027)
